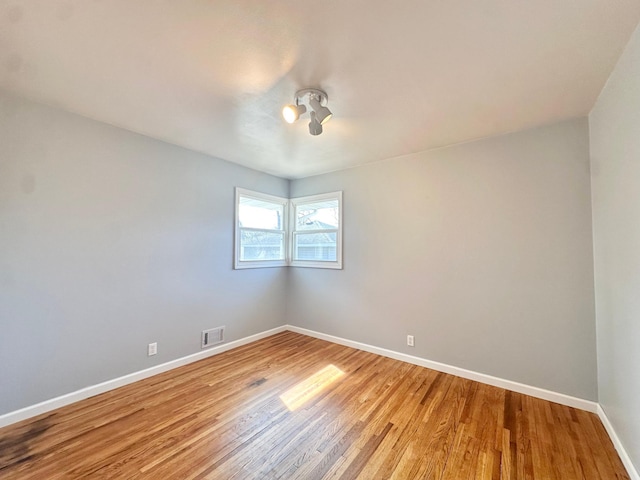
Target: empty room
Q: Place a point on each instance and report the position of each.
(246, 239)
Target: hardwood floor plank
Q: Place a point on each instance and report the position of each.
(224, 418)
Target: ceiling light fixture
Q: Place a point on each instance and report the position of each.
(315, 127)
(323, 114)
(291, 113)
(317, 100)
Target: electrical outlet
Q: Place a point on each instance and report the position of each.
(152, 349)
(410, 340)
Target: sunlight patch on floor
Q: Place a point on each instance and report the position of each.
(307, 389)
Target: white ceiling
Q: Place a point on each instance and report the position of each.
(402, 76)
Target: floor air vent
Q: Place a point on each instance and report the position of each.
(213, 336)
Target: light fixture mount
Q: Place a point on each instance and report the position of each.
(317, 101)
(306, 94)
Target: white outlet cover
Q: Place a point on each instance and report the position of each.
(153, 349)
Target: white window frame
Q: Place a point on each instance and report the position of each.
(289, 230)
(293, 203)
(241, 264)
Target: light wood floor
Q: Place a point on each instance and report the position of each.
(223, 418)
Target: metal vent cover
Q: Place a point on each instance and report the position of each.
(212, 336)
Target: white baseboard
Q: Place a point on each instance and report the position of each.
(52, 404)
(624, 456)
(560, 398)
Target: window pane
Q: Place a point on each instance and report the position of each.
(317, 216)
(254, 213)
(315, 246)
(261, 246)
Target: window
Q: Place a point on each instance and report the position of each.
(316, 231)
(260, 230)
(272, 231)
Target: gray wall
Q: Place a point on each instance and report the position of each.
(109, 241)
(615, 174)
(483, 251)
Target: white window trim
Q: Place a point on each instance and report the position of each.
(289, 231)
(241, 264)
(337, 264)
